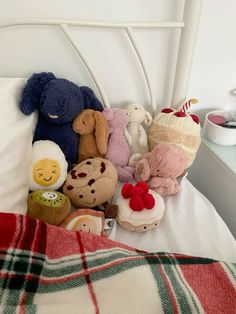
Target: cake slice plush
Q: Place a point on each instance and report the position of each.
(139, 208)
(178, 127)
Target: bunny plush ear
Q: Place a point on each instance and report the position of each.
(108, 113)
(147, 118)
(32, 92)
(101, 132)
(90, 100)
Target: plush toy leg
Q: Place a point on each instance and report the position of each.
(164, 186)
(129, 168)
(110, 210)
(134, 159)
(125, 173)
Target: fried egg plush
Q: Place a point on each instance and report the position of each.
(48, 169)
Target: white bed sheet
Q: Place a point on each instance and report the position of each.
(190, 226)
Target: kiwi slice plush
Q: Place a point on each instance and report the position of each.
(49, 198)
(49, 206)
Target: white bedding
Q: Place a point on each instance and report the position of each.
(191, 226)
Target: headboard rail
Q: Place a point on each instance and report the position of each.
(180, 70)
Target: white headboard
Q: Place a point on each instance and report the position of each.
(144, 57)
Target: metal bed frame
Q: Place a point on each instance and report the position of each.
(180, 68)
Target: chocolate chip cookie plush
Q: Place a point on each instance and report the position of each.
(92, 183)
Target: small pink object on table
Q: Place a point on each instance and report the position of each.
(217, 119)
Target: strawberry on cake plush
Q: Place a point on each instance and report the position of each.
(179, 127)
(139, 208)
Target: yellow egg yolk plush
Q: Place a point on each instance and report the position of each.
(46, 172)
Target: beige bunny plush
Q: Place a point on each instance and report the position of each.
(139, 145)
(94, 132)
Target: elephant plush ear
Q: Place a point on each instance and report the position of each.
(90, 100)
(32, 92)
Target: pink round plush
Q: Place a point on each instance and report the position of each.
(161, 167)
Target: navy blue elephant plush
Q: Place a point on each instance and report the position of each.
(59, 101)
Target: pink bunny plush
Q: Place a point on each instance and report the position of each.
(118, 151)
(161, 167)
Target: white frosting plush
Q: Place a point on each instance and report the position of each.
(42, 150)
(143, 220)
(183, 124)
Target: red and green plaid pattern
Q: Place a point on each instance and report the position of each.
(46, 269)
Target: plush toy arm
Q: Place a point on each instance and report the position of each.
(68, 142)
(142, 170)
(142, 138)
(127, 137)
(134, 159)
(164, 186)
(90, 100)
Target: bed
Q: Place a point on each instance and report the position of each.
(191, 226)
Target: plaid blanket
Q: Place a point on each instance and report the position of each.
(46, 269)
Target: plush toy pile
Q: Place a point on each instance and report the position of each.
(80, 151)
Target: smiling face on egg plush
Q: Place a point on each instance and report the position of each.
(48, 166)
(46, 172)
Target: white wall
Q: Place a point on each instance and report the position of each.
(28, 49)
(214, 68)
(213, 73)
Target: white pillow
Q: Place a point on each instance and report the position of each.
(16, 133)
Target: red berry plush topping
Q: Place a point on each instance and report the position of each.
(167, 110)
(139, 196)
(143, 185)
(136, 203)
(136, 191)
(195, 118)
(125, 192)
(180, 114)
(149, 201)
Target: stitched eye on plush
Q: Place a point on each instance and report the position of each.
(39, 172)
(81, 196)
(54, 170)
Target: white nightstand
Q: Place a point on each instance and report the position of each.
(213, 173)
